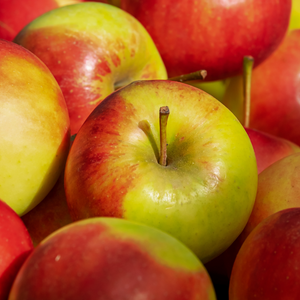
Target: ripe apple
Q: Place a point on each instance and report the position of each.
(212, 35)
(92, 49)
(205, 193)
(15, 246)
(267, 265)
(109, 258)
(34, 128)
(275, 93)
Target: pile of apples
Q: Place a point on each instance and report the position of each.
(149, 149)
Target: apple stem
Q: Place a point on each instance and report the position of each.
(247, 74)
(198, 75)
(163, 120)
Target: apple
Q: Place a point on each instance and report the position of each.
(91, 49)
(110, 258)
(205, 193)
(212, 35)
(267, 265)
(15, 246)
(34, 128)
(275, 108)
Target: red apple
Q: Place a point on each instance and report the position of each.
(109, 258)
(269, 148)
(205, 192)
(15, 14)
(15, 246)
(34, 128)
(212, 35)
(267, 265)
(275, 93)
(92, 49)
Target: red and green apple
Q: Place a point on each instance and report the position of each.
(91, 49)
(205, 193)
(110, 258)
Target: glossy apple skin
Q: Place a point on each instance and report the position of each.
(113, 170)
(34, 128)
(15, 246)
(275, 106)
(269, 148)
(15, 14)
(109, 258)
(267, 266)
(203, 34)
(92, 48)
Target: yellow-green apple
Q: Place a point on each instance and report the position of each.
(267, 265)
(205, 192)
(275, 106)
(15, 246)
(92, 49)
(295, 15)
(34, 128)
(110, 258)
(212, 35)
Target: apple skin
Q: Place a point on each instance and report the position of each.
(275, 108)
(109, 258)
(91, 49)
(15, 14)
(49, 215)
(269, 148)
(267, 265)
(295, 15)
(203, 197)
(34, 128)
(194, 35)
(15, 246)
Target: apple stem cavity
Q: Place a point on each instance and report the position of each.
(163, 120)
(247, 75)
(198, 75)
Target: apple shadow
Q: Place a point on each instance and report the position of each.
(145, 126)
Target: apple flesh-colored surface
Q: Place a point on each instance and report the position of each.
(267, 265)
(15, 246)
(275, 93)
(92, 49)
(212, 35)
(269, 148)
(34, 128)
(203, 196)
(109, 258)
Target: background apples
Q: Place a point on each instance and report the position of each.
(203, 196)
(102, 258)
(193, 35)
(34, 128)
(15, 246)
(267, 266)
(274, 98)
(92, 49)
